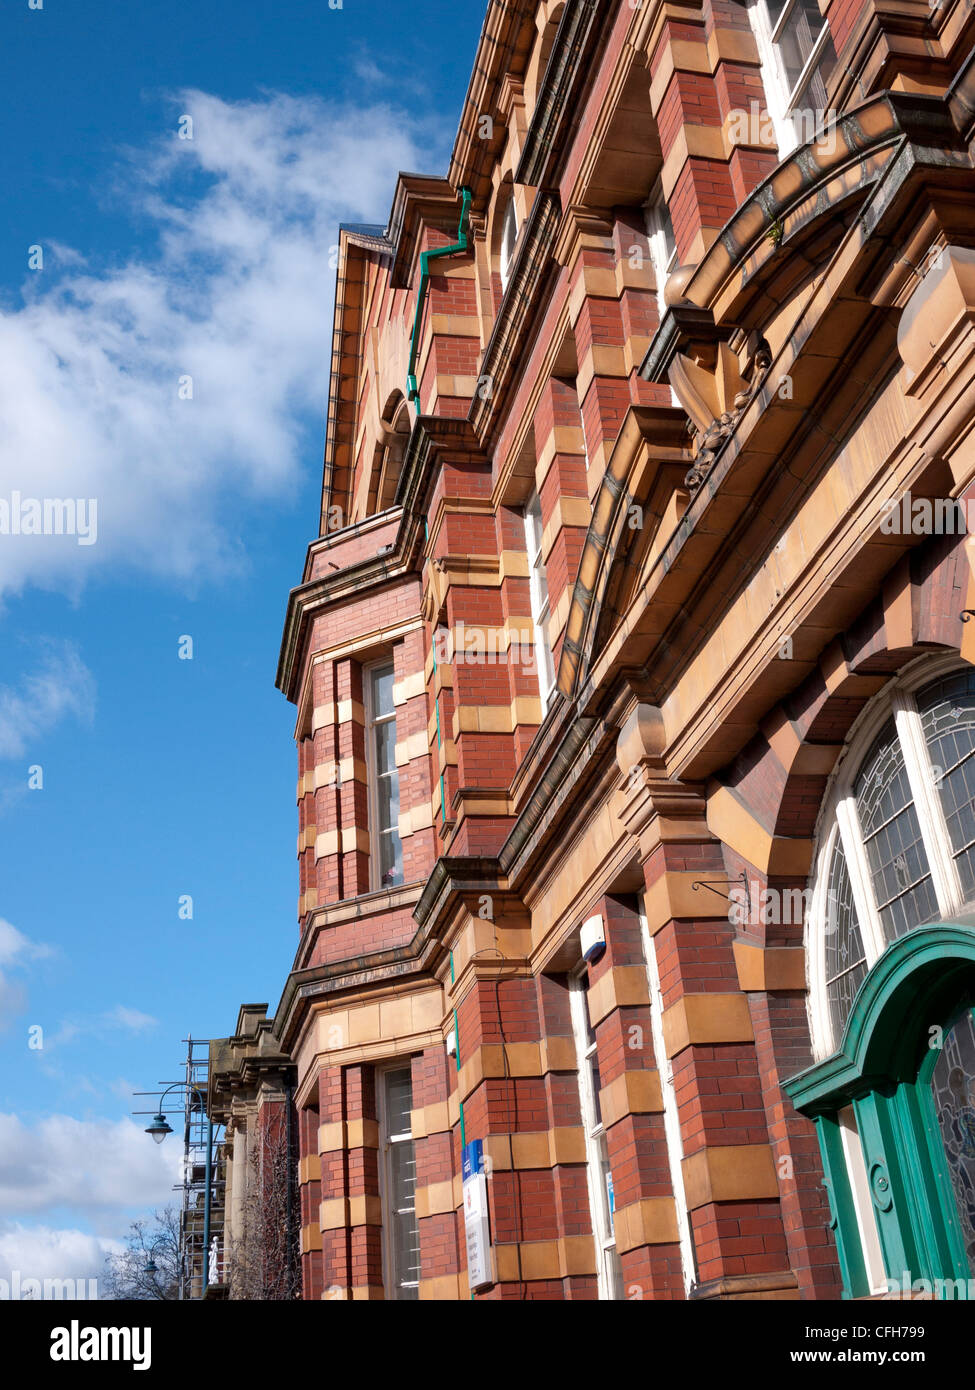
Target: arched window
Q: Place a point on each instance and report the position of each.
(390, 459)
(897, 836)
(509, 240)
(891, 946)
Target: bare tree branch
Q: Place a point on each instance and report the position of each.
(265, 1263)
(148, 1243)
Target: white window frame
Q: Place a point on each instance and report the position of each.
(668, 1091)
(603, 1233)
(663, 253)
(863, 1207)
(662, 243)
(510, 231)
(386, 1140)
(372, 772)
(839, 816)
(539, 598)
(781, 100)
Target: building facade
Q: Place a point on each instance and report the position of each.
(250, 1093)
(635, 697)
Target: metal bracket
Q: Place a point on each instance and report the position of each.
(709, 883)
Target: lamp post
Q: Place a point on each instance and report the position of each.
(150, 1266)
(159, 1128)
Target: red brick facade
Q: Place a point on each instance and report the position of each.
(720, 604)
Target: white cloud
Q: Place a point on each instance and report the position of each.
(13, 1001)
(16, 950)
(99, 1026)
(236, 292)
(132, 1019)
(368, 71)
(124, 1088)
(95, 1166)
(45, 1252)
(60, 685)
(15, 947)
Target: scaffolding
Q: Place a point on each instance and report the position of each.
(193, 1186)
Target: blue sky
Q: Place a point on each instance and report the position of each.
(164, 260)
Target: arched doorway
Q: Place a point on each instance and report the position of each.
(895, 1114)
(891, 961)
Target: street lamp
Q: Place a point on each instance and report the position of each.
(159, 1129)
(150, 1266)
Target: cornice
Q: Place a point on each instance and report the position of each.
(431, 435)
(890, 40)
(502, 53)
(364, 907)
(420, 200)
(305, 601)
(574, 55)
(519, 313)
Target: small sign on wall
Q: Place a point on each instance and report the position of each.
(480, 1264)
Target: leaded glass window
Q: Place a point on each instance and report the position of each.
(901, 878)
(846, 963)
(948, 719)
(898, 835)
(953, 1092)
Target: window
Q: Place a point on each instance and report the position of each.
(953, 1094)
(386, 849)
(892, 966)
(668, 1092)
(509, 240)
(401, 1240)
(538, 591)
(663, 247)
(609, 1275)
(798, 58)
(898, 843)
(390, 463)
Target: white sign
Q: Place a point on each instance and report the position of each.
(480, 1272)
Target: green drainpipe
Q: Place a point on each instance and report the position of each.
(425, 258)
(463, 1136)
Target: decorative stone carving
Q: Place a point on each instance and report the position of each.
(715, 398)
